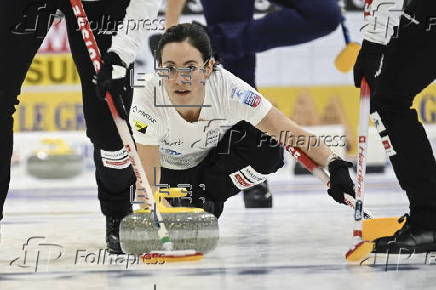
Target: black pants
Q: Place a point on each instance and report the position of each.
(18, 46)
(238, 162)
(409, 66)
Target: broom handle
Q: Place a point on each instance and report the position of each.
(362, 154)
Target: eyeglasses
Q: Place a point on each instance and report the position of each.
(170, 72)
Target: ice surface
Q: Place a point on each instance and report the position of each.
(299, 244)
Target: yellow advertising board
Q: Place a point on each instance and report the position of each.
(51, 99)
(332, 104)
(49, 111)
(52, 70)
(326, 105)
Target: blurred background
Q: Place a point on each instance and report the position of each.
(301, 81)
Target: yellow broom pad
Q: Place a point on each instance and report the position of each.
(345, 60)
(380, 227)
(359, 252)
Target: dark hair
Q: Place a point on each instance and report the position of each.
(194, 34)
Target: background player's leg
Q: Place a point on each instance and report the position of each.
(19, 45)
(241, 65)
(410, 66)
(114, 174)
(298, 22)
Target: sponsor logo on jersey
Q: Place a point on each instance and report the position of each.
(247, 97)
(387, 144)
(241, 181)
(254, 176)
(246, 178)
(115, 159)
(141, 127)
(114, 155)
(144, 114)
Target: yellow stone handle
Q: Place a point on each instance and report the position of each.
(173, 192)
(56, 146)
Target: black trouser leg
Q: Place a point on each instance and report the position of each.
(409, 67)
(7, 108)
(114, 175)
(20, 35)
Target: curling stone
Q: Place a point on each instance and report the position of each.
(54, 160)
(188, 228)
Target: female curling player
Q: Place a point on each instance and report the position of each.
(199, 126)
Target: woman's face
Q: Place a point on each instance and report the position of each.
(186, 86)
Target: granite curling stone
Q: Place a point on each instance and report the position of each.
(188, 228)
(55, 161)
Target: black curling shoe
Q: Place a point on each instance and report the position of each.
(258, 196)
(408, 240)
(113, 235)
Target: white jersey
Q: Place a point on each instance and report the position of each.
(140, 18)
(183, 144)
(381, 16)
